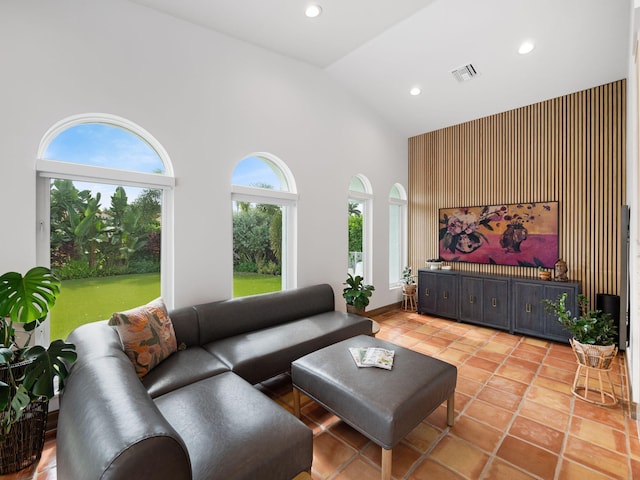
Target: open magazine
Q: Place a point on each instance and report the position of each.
(372, 357)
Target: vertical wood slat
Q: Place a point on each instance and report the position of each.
(570, 149)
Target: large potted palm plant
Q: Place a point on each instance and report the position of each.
(27, 372)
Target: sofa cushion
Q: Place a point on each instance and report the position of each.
(234, 432)
(237, 316)
(147, 335)
(180, 369)
(257, 356)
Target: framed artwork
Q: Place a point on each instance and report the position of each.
(521, 234)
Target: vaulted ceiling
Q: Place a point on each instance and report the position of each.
(380, 49)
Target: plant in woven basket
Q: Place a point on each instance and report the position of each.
(356, 293)
(592, 327)
(28, 371)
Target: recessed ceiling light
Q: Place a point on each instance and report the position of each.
(415, 91)
(526, 47)
(313, 11)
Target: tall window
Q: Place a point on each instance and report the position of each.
(264, 214)
(103, 188)
(397, 234)
(359, 259)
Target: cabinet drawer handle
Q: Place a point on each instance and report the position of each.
(527, 308)
(472, 299)
(494, 302)
(445, 295)
(427, 292)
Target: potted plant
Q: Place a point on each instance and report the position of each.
(27, 373)
(409, 282)
(357, 294)
(594, 332)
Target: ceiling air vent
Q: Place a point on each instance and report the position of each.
(464, 74)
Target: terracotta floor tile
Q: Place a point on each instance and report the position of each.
(422, 437)
(505, 384)
(596, 458)
(349, 435)
(507, 338)
(463, 347)
(430, 470)
(599, 434)
(490, 414)
(515, 372)
(522, 364)
(426, 348)
(532, 356)
(569, 365)
(528, 457)
(460, 457)
(537, 433)
(609, 416)
(572, 471)
(358, 469)
(329, 455)
(484, 437)
(506, 400)
(501, 470)
(497, 347)
(549, 398)
(402, 458)
(482, 364)
(551, 384)
(545, 415)
(468, 386)
(493, 356)
(559, 374)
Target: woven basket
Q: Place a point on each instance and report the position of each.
(594, 356)
(23, 445)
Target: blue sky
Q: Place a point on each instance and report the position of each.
(108, 146)
(104, 146)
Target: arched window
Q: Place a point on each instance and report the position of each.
(104, 193)
(397, 234)
(359, 227)
(264, 199)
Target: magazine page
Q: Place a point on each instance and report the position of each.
(372, 357)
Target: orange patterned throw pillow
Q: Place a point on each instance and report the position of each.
(147, 335)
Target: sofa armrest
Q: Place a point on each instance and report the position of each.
(109, 428)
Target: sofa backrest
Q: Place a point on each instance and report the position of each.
(236, 316)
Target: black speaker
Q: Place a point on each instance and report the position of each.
(611, 304)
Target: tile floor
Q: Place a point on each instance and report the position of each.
(515, 415)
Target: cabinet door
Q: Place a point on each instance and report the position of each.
(447, 302)
(427, 292)
(495, 304)
(553, 329)
(471, 299)
(528, 308)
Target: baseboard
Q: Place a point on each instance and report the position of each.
(381, 310)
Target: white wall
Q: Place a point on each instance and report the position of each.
(209, 100)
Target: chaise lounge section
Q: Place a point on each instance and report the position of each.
(196, 415)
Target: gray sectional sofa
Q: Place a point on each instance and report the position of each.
(197, 414)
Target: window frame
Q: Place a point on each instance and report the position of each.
(401, 202)
(366, 200)
(287, 199)
(51, 169)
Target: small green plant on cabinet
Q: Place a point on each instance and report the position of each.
(592, 327)
(27, 300)
(356, 293)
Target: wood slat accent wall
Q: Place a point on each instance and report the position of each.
(570, 149)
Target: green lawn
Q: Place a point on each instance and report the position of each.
(88, 300)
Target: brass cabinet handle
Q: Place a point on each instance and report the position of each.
(494, 302)
(445, 295)
(472, 299)
(427, 292)
(527, 308)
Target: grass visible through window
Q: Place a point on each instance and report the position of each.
(89, 300)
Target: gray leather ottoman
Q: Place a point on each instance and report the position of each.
(384, 405)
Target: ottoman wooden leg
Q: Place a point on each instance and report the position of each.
(450, 409)
(296, 402)
(386, 464)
